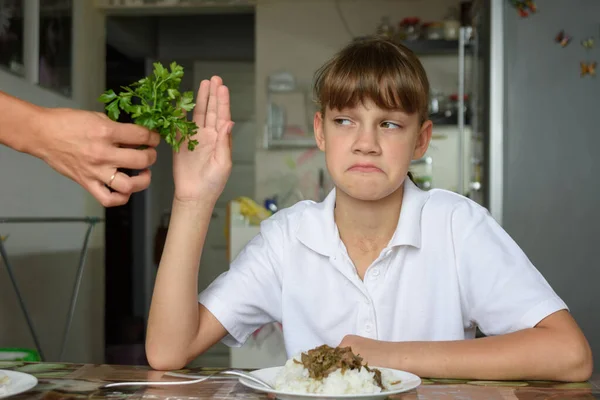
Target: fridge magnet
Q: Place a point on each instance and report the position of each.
(588, 43)
(562, 38)
(291, 164)
(588, 68)
(524, 7)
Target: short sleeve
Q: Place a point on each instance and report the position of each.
(503, 291)
(248, 295)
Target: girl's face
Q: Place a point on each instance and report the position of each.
(368, 150)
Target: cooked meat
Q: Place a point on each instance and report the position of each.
(377, 376)
(323, 360)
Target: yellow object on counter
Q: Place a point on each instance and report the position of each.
(252, 211)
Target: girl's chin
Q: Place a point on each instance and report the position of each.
(368, 192)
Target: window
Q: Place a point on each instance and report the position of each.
(11, 35)
(56, 45)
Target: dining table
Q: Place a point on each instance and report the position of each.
(65, 381)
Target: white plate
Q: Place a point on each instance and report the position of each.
(19, 382)
(408, 382)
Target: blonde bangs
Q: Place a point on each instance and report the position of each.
(376, 69)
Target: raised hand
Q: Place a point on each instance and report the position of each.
(201, 174)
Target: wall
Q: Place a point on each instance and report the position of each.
(298, 37)
(46, 281)
(45, 257)
(551, 164)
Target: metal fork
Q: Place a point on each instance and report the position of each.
(198, 379)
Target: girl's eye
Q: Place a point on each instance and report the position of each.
(390, 125)
(342, 121)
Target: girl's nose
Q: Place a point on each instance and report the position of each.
(367, 141)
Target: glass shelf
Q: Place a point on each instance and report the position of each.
(289, 119)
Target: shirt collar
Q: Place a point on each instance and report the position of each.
(318, 232)
(317, 228)
(408, 231)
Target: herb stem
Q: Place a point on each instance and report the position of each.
(156, 86)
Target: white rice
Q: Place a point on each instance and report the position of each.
(294, 378)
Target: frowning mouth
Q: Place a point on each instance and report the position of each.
(364, 167)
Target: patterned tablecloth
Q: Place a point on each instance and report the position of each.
(82, 381)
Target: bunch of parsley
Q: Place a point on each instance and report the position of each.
(161, 107)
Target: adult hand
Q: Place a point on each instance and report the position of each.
(88, 148)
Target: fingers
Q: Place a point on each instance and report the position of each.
(211, 109)
(132, 158)
(212, 104)
(201, 103)
(131, 134)
(223, 107)
(126, 185)
(106, 197)
(224, 142)
(123, 187)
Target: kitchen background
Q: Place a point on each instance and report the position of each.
(523, 112)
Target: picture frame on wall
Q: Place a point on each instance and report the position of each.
(56, 45)
(11, 36)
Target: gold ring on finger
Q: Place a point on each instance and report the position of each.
(112, 178)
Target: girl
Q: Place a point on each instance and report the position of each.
(401, 275)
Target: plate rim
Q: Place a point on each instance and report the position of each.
(417, 382)
(33, 382)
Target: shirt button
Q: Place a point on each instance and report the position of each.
(368, 327)
(375, 272)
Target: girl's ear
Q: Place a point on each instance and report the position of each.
(423, 140)
(319, 132)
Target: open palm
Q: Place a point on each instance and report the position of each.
(204, 171)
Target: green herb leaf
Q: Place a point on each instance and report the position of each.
(108, 96)
(173, 93)
(156, 103)
(125, 103)
(159, 71)
(186, 101)
(147, 120)
(113, 110)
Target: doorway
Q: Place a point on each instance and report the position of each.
(204, 44)
(123, 326)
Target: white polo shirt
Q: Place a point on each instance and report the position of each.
(448, 268)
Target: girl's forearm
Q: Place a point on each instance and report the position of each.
(174, 319)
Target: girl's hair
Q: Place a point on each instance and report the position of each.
(376, 69)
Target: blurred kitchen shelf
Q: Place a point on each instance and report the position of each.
(442, 120)
(433, 47)
(174, 7)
